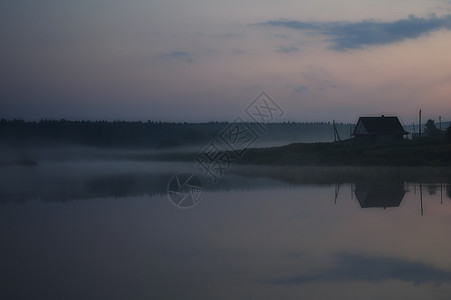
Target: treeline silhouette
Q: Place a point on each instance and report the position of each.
(151, 134)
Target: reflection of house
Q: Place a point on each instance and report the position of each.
(379, 129)
(376, 194)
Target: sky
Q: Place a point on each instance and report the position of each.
(199, 60)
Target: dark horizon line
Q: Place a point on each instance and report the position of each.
(186, 122)
(162, 122)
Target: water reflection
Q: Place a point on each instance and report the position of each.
(372, 187)
(356, 266)
(259, 233)
(380, 193)
(67, 182)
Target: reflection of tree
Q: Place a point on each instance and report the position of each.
(64, 188)
(88, 187)
(379, 194)
(448, 191)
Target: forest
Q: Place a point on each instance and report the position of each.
(151, 134)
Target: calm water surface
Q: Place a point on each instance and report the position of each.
(107, 230)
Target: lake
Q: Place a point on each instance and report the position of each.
(107, 229)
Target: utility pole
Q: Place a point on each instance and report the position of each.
(335, 131)
(440, 122)
(419, 125)
(336, 135)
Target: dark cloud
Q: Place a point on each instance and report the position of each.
(290, 49)
(350, 267)
(301, 89)
(348, 35)
(294, 24)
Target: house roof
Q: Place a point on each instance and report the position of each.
(381, 125)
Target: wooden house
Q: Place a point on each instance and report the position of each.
(379, 130)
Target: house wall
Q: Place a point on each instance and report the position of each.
(389, 138)
(379, 138)
(360, 129)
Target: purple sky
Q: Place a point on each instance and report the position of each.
(197, 60)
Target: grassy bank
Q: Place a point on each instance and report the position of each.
(348, 153)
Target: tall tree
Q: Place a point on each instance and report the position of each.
(448, 133)
(431, 130)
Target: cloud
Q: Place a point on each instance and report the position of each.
(291, 49)
(281, 36)
(348, 35)
(350, 267)
(177, 55)
(295, 24)
(301, 89)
